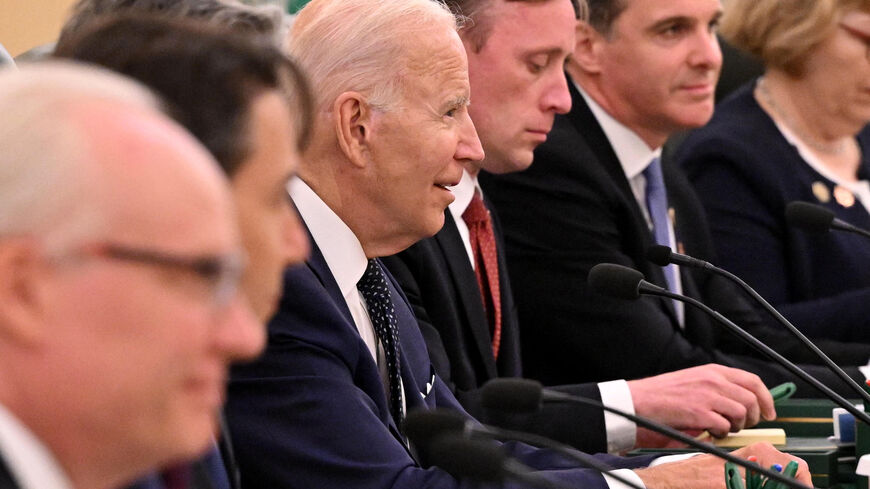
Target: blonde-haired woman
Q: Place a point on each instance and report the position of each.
(797, 133)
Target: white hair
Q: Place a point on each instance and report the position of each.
(44, 187)
(362, 45)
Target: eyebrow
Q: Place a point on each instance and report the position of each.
(554, 51)
(682, 19)
(458, 101)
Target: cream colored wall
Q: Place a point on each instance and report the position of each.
(25, 24)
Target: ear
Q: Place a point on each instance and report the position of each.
(353, 126)
(23, 274)
(589, 48)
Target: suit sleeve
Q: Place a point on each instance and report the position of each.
(300, 416)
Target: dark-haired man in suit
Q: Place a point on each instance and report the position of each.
(642, 70)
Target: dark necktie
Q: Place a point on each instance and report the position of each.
(483, 248)
(373, 287)
(177, 477)
(657, 204)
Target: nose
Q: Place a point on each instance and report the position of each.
(706, 53)
(556, 96)
(239, 334)
(469, 147)
(296, 245)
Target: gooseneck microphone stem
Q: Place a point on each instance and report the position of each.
(791, 367)
(424, 427)
(659, 254)
(566, 450)
(524, 394)
(843, 226)
(676, 435)
(797, 334)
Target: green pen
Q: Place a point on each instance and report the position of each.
(753, 478)
(733, 480)
(783, 391)
(790, 470)
(768, 484)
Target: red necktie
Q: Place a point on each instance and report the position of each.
(483, 248)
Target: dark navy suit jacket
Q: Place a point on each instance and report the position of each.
(312, 413)
(6, 481)
(574, 208)
(440, 283)
(746, 172)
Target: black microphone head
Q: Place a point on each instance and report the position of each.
(462, 458)
(809, 217)
(423, 427)
(615, 281)
(513, 395)
(659, 254)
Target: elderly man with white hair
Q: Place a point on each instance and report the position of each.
(119, 266)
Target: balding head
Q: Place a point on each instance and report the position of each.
(118, 248)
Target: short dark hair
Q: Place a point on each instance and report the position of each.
(603, 13)
(207, 76)
(478, 30)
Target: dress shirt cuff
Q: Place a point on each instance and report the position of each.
(865, 371)
(621, 433)
(626, 474)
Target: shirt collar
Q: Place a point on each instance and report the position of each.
(29, 460)
(633, 153)
(341, 248)
(462, 193)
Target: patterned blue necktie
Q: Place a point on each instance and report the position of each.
(373, 287)
(657, 204)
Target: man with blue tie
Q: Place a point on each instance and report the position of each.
(598, 192)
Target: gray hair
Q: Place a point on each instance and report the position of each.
(362, 45)
(265, 20)
(43, 184)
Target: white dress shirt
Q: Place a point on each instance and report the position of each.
(621, 433)
(30, 462)
(635, 156)
(347, 262)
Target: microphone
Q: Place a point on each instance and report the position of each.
(663, 255)
(482, 461)
(525, 396)
(424, 427)
(608, 276)
(817, 219)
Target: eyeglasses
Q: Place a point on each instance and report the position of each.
(221, 273)
(859, 34)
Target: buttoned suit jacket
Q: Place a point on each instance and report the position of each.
(746, 173)
(574, 208)
(441, 285)
(312, 412)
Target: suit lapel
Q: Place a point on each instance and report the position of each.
(317, 263)
(465, 281)
(590, 130)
